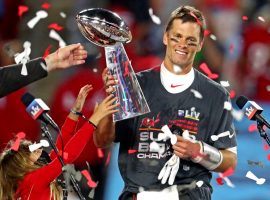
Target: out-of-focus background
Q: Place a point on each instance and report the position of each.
(236, 49)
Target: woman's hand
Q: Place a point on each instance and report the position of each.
(106, 107)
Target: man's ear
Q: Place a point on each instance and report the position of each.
(165, 38)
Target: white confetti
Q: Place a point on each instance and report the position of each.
(41, 14)
(23, 57)
(261, 19)
(228, 182)
(35, 146)
(199, 183)
(62, 14)
(268, 88)
(95, 70)
(54, 35)
(227, 105)
(225, 83)
(252, 176)
(237, 114)
(213, 37)
(196, 94)
(154, 18)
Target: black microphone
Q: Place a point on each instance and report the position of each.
(252, 110)
(38, 110)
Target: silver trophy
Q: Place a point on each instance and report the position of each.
(105, 28)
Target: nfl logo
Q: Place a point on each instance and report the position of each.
(181, 113)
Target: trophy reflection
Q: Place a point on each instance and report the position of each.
(105, 28)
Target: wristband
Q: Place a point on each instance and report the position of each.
(92, 124)
(78, 113)
(211, 157)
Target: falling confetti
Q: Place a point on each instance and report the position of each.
(207, 71)
(199, 183)
(63, 15)
(177, 69)
(237, 114)
(154, 18)
(196, 94)
(131, 151)
(268, 88)
(100, 153)
(23, 57)
(261, 19)
(108, 159)
(41, 14)
(245, 18)
(225, 83)
(55, 26)
(22, 9)
(223, 134)
(252, 176)
(46, 6)
(213, 37)
(90, 181)
(232, 94)
(54, 35)
(35, 146)
(47, 51)
(219, 181)
(252, 128)
(206, 32)
(95, 70)
(16, 144)
(227, 105)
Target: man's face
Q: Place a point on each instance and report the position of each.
(183, 42)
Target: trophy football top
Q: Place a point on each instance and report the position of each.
(103, 27)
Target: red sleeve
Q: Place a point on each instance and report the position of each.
(45, 175)
(67, 131)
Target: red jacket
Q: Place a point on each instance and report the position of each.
(36, 185)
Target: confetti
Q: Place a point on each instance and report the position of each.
(16, 144)
(154, 18)
(22, 9)
(268, 157)
(225, 83)
(46, 6)
(54, 35)
(228, 172)
(245, 18)
(252, 128)
(131, 151)
(95, 70)
(199, 183)
(219, 181)
(100, 153)
(47, 51)
(252, 176)
(268, 88)
(41, 14)
(237, 114)
(266, 147)
(207, 71)
(90, 181)
(227, 105)
(213, 37)
(55, 26)
(261, 19)
(108, 159)
(196, 94)
(206, 32)
(63, 15)
(232, 94)
(23, 57)
(177, 69)
(223, 134)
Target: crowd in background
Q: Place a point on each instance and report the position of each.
(236, 47)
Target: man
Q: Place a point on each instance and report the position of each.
(11, 78)
(169, 91)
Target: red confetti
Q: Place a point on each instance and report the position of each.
(46, 6)
(108, 159)
(252, 128)
(219, 181)
(90, 181)
(100, 153)
(47, 51)
(131, 151)
(65, 156)
(207, 71)
(206, 32)
(268, 157)
(232, 94)
(228, 172)
(266, 147)
(19, 137)
(55, 26)
(245, 18)
(22, 10)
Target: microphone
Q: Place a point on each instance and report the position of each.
(37, 109)
(252, 110)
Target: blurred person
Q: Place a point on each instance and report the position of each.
(11, 78)
(168, 91)
(23, 176)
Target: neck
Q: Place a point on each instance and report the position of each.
(176, 69)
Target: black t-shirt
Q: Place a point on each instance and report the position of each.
(201, 117)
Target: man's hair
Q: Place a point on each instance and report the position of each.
(188, 14)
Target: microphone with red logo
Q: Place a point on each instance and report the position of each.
(252, 110)
(37, 109)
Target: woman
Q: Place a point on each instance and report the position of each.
(23, 177)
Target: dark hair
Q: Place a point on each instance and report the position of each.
(188, 14)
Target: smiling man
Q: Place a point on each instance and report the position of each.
(160, 168)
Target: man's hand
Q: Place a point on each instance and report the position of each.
(186, 148)
(66, 57)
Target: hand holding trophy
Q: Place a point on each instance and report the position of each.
(105, 28)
